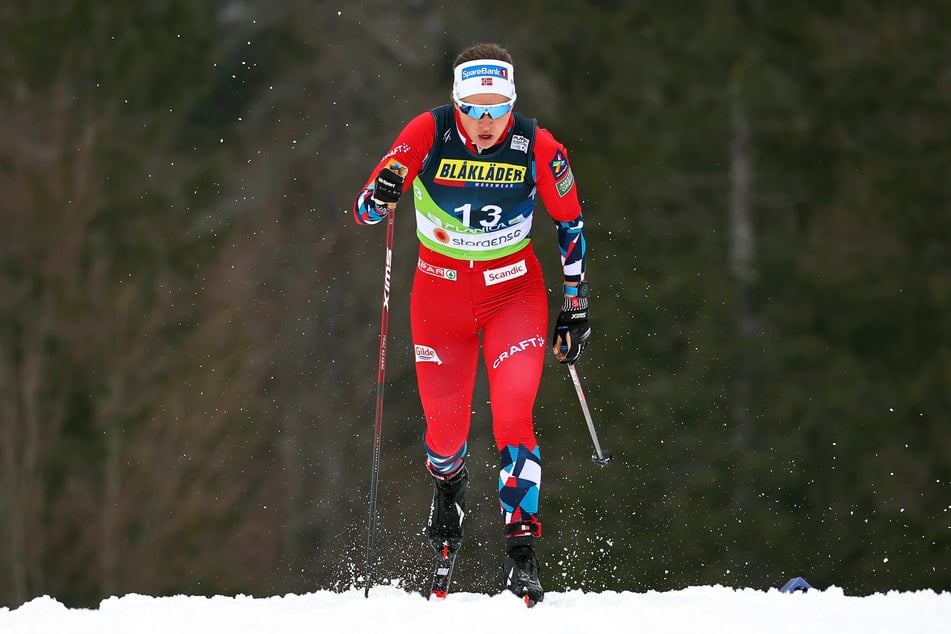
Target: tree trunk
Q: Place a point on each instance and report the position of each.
(742, 248)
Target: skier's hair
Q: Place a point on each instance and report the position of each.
(485, 50)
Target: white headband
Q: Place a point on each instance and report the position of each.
(483, 75)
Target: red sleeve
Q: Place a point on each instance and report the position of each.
(554, 179)
(410, 148)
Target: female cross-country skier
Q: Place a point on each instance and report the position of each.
(474, 167)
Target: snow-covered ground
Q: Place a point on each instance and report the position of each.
(390, 610)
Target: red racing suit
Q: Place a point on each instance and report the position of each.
(478, 274)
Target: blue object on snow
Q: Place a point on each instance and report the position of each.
(796, 584)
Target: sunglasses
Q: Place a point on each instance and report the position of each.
(496, 111)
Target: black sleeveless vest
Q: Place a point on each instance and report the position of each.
(476, 206)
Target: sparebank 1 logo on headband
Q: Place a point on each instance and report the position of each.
(483, 71)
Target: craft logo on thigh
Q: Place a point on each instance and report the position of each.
(535, 342)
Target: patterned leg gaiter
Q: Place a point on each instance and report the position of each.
(519, 481)
(445, 466)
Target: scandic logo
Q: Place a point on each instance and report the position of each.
(481, 174)
(480, 71)
(496, 276)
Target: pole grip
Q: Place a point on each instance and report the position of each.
(402, 170)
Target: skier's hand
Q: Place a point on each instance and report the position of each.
(571, 331)
(389, 185)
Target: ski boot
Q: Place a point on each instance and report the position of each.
(521, 565)
(445, 526)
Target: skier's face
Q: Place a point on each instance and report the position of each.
(485, 131)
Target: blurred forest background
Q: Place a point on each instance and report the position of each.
(189, 316)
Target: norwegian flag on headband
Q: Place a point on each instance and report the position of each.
(486, 81)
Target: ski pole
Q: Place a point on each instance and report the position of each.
(599, 457)
(380, 379)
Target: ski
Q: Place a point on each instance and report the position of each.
(445, 561)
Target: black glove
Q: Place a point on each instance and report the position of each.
(389, 185)
(571, 331)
